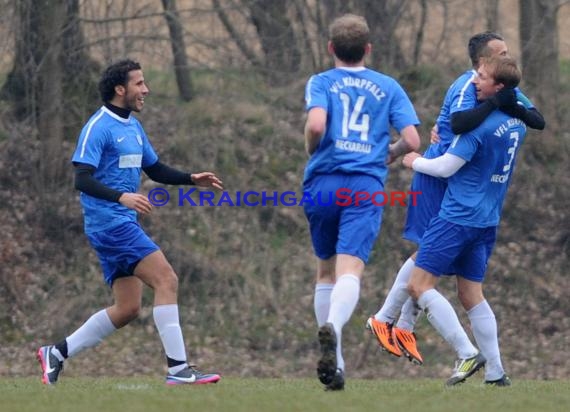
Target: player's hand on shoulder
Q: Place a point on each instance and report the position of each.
(207, 179)
(506, 97)
(409, 159)
(136, 202)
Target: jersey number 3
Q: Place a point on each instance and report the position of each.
(354, 121)
(512, 150)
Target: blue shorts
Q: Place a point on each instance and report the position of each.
(338, 227)
(427, 205)
(120, 249)
(447, 248)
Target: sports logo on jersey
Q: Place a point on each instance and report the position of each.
(120, 139)
(139, 139)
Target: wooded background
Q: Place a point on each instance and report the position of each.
(226, 80)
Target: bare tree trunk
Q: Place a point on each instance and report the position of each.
(420, 32)
(235, 35)
(20, 85)
(278, 39)
(81, 72)
(539, 45)
(383, 18)
(181, 69)
(37, 36)
(492, 15)
(301, 9)
(50, 94)
(50, 85)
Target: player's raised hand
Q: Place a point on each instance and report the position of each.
(136, 202)
(207, 179)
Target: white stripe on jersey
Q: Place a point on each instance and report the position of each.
(467, 84)
(88, 132)
(307, 93)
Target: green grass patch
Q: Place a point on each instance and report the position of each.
(234, 394)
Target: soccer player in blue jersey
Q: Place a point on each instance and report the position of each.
(111, 152)
(460, 112)
(350, 110)
(460, 239)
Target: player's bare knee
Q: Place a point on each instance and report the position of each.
(167, 280)
(469, 300)
(125, 314)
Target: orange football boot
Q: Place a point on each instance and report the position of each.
(383, 333)
(406, 340)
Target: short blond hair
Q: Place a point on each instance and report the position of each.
(503, 69)
(349, 35)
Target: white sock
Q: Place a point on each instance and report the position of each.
(344, 298)
(484, 327)
(410, 314)
(443, 318)
(322, 302)
(90, 334)
(397, 294)
(168, 325)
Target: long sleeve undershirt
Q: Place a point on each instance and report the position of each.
(467, 120)
(159, 172)
(442, 166)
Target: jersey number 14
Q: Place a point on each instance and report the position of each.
(354, 120)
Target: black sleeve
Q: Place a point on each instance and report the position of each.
(85, 182)
(531, 117)
(161, 173)
(467, 120)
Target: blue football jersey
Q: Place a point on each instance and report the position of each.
(361, 106)
(461, 95)
(476, 192)
(118, 148)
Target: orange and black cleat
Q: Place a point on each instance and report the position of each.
(406, 340)
(383, 333)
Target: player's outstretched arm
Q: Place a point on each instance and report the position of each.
(161, 173)
(207, 179)
(442, 166)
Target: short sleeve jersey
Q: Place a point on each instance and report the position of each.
(476, 192)
(461, 95)
(118, 148)
(362, 105)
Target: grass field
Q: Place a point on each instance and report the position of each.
(234, 394)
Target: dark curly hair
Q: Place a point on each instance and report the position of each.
(116, 74)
